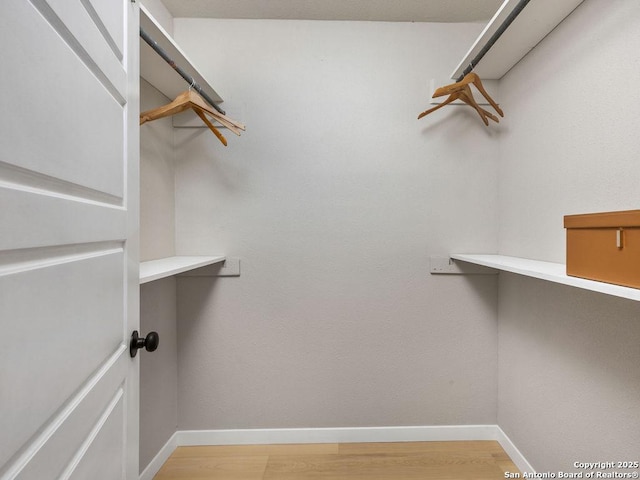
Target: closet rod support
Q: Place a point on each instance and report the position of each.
(188, 78)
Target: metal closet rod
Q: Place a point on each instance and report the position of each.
(188, 78)
(510, 18)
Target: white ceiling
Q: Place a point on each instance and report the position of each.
(367, 10)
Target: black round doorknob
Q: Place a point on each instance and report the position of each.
(149, 343)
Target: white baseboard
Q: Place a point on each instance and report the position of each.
(516, 457)
(162, 456)
(336, 435)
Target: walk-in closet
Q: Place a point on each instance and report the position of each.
(303, 239)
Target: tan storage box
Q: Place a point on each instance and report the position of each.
(604, 247)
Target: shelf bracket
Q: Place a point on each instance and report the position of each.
(450, 266)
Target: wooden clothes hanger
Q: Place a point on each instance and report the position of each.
(190, 99)
(461, 91)
(466, 95)
(473, 79)
(206, 121)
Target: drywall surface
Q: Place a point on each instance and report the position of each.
(569, 368)
(157, 178)
(158, 371)
(333, 199)
(570, 139)
(569, 384)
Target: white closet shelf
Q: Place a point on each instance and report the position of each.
(166, 267)
(551, 272)
(157, 72)
(536, 20)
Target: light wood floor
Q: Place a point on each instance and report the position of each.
(475, 460)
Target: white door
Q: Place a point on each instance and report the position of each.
(68, 241)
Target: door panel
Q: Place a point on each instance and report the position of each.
(104, 455)
(111, 18)
(63, 122)
(58, 338)
(68, 239)
(85, 37)
(37, 215)
(59, 447)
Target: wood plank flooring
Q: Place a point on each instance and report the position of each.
(473, 460)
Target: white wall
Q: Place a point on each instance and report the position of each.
(334, 199)
(157, 178)
(158, 370)
(569, 366)
(570, 141)
(158, 307)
